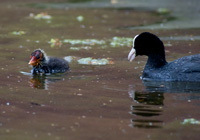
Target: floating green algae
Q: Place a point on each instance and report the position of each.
(90, 42)
(80, 18)
(18, 33)
(163, 11)
(191, 121)
(55, 42)
(80, 48)
(84, 41)
(114, 42)
(43, 15)
(91, 61)
(121, 41)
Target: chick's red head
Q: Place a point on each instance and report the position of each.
(35, 58)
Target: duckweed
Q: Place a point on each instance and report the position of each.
(43, 15)
(91, 61)
(163, 11)
(55, 42)
(79, 48)
(80, 18)
(84, 41)
(18, 33)
(191, 121)
(114, 42)
(121, 41)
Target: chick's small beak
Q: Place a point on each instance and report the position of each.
(131, 55)
(32, 61)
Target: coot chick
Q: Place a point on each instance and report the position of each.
(43, 64)
(157, 68)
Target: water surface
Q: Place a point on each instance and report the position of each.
(90, 102)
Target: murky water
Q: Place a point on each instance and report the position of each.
(91, 101)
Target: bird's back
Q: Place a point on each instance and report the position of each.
(184, 69)
(57, 65)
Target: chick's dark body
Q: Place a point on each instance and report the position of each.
(44, 64)
(54, 65)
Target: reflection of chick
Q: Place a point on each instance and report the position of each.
(43, 64)
(43, 81)
(38, 82)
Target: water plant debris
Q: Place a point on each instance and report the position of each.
(18, 33)
(191, 121)
(84, 41)
(79, 48)
(55, 42)
(80, 18)
(163, 11)
(91, 61)
(121, 41)
(43, 15)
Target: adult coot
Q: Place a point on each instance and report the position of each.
(41, 63)
(157, 68)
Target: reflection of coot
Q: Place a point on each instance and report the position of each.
(172, 87)
(146, 106)
(155, 98)
(157, 68)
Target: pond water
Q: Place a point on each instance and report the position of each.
(95, 102)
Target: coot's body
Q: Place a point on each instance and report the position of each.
(157, 68)
(183, 69)
(43, 64)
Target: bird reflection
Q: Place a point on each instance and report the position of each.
(146, 109)
(43, 81)
(148, 106)
(39, 82)
(155, 98)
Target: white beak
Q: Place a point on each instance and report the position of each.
(131, 55)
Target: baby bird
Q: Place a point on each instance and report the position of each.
(42, 64)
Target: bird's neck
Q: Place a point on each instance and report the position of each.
(156, 61)
(43, 62)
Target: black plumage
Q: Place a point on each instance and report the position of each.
(157, 68)
(41, 63)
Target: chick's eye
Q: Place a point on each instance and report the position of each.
(37, 57)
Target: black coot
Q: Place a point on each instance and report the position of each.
(157, 68)
(41, 63)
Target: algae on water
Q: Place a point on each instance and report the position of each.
(55, 42)
(18, 33)
(43, 15)
(79, 48)
(163, 11)
(80, 18)
(114, 42)
(121, 41)
(191, 121)
(84, 41)
(91, 61)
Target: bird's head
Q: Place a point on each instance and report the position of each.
(37, 58)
